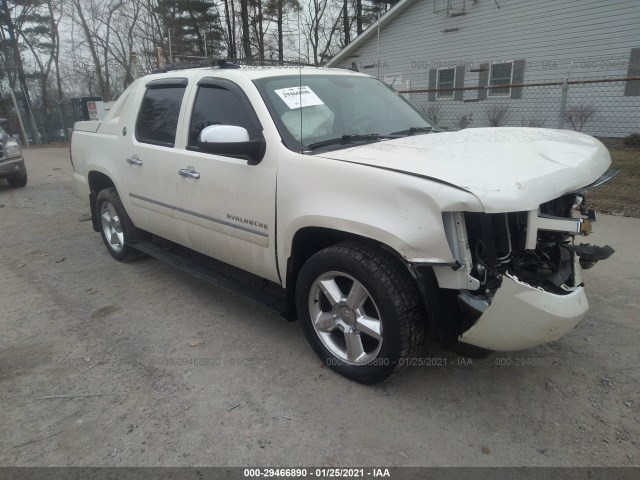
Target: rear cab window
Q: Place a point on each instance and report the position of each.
(157, 122)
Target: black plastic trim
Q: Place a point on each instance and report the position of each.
(219, 274)
(168, 83)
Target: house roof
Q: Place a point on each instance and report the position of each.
(393, 12)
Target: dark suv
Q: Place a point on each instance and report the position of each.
(11, 161)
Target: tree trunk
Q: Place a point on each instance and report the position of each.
(15, 51)
(280, 33)
(246, 40)
(345, 20)
(359, 16)
(104, 88)
(260, 31)
(233, 27)
(231, 37)
(55, 51)
(43, 73)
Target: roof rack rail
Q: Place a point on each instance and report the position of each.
(266, 62)
(185, 66)
(229, 63)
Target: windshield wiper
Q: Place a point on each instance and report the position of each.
(347, 139)
(413, 131)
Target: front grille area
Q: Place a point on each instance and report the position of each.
(497, 244)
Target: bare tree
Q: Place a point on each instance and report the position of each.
(434, 113)
(533, 122)
(230, 33)
(320, 24)
(56, 12)
(95, 40)
(101, 36)
(465, 120)
(150, 35)
(258, 25)
(578, 115)
(124, 43)
(497, 115)
(277, 11)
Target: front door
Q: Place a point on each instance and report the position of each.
(227, 206)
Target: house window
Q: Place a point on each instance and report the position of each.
(632, 87)
(446, 81)
(501, 74)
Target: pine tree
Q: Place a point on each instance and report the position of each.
(193, 26)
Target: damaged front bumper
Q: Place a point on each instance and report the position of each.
(518, 274)
(521, 316)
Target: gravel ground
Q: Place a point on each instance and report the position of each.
(109, 364)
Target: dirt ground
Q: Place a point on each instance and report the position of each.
(96, 367)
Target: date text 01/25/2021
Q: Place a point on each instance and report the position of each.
(316, 472)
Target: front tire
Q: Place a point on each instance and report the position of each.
(361, 311)
(116, 228)
(18, 181)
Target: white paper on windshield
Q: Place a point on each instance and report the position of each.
(297, 97)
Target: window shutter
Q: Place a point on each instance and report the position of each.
(433, 73)
(517, 78)
(459, 94)
(633, 88)
(483, 80)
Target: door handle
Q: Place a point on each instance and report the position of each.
(188, 172)
(134, 160)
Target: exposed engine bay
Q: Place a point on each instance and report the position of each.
(536, 249)
(498, 245)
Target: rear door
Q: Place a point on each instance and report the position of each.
(152, 164)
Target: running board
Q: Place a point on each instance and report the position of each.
(219, 274)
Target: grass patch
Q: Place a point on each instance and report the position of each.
(620, 196)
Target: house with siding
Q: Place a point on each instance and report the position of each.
(463, 60)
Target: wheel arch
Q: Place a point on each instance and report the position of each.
(307, 241)
(97, 181)
(443, 313)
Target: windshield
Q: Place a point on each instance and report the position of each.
(337, 110)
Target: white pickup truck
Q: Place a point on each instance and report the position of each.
(328, 197)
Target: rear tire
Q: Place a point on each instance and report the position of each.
(368, 317)
(116, 228)
(19, 180)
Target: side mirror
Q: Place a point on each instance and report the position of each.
(231, 140)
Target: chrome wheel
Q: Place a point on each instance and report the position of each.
(345, 318)
(111, 226)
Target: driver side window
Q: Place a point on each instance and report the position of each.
(216, 105)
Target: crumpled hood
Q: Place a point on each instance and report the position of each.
(508, 169)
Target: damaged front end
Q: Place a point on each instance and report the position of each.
(519, 274)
